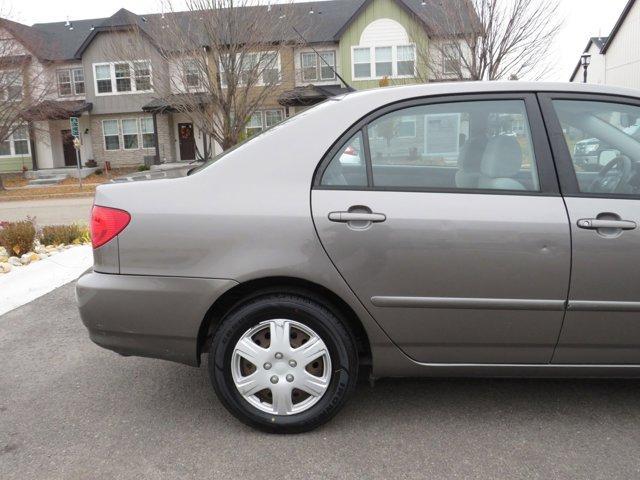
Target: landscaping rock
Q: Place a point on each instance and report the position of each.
(3, 252)
(25, 259)
(34, 257)
(40, 249)
(5, 267)
(15, 261)
(4, 258)
(43, 256)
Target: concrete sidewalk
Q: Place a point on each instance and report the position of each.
(48, 212)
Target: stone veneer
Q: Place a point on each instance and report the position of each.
(124, 157)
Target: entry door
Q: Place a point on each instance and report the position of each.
(187, 141)
(602, 324)
(68, 149)
(450, 230)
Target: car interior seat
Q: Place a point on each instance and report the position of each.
(501, 161)
(469, 160)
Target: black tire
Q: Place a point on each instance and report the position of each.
(337, 337)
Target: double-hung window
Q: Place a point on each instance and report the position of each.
(17, 143)
(191, 72)
(392, 61)
(142, 72)
(123, 77)
(148, 132)
(10, 85)
(130, 134)
(316, 67)
(70, 82)
(450, 59)
(103, 79)
(111, 132)
(362, 62)
(263, 119)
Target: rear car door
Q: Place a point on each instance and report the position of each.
(448, 225)
(597, 150)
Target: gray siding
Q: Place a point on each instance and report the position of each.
(103, 49)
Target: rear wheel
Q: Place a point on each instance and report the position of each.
(283, 363)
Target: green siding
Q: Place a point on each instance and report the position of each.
(379, 9)
(15, 164)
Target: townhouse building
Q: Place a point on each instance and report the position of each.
(123, 119)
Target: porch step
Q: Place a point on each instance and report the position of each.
(67, 172)
(47, 180)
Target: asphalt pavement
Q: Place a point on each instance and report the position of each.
(54, 211)
(70, 410)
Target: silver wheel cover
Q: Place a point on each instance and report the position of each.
(277, 378)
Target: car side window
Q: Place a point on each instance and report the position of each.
(603, 139)
(347, 167)
(482, 145)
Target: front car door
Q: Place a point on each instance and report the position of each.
(596, 144)
(447, 223)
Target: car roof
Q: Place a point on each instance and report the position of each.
(454, 88)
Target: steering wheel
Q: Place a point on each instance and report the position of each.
(614, 176)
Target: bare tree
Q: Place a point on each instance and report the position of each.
(491, 40)
(24, 82)
(217, 62)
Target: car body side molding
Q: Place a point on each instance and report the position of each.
(468, 303)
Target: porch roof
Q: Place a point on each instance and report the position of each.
(310, 94)
(177, 102)
(57, 110)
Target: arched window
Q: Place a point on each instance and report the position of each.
(384, 51)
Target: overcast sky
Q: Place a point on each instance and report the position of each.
(583, 19)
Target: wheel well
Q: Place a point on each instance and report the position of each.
(254, 288)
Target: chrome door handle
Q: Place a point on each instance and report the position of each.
(596, 224)
(344, 217)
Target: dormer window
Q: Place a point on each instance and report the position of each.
(122, 77)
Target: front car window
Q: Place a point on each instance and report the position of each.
(603, 139)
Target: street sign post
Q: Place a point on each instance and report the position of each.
(75, 133)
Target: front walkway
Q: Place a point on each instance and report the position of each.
(48, 212)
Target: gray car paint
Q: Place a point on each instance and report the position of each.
(248, 217)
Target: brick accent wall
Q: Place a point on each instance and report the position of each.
(124, 157)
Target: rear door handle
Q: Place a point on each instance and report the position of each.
(596, 224)
(344, 217)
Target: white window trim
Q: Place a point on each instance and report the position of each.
(444, 58)
(263, 118)
(104, 136)
(142, 133)
(185, 74)
(412, 120)
(260, 82)
(3, 88)
(74, 92)
(372, 62)
(137, 122)
(319, 65)
(12, 146)
(121, 134)
(112, 73)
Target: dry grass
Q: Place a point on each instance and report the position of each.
(68, 188)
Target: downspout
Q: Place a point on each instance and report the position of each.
(156, 142)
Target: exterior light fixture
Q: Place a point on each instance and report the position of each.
(585, 60)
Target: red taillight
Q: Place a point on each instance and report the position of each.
(106, 223)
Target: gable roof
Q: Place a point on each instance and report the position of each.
(616, 27)
(62, 41)
(599, 43)
(430, 13)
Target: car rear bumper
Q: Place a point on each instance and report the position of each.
(147, 316)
